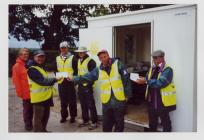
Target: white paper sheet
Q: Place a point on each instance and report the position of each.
(134, 76)
(61, 75)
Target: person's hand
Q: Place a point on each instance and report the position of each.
(59, 78)
(140, 80)
(69, 78)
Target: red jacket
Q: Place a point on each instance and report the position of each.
(20, 79)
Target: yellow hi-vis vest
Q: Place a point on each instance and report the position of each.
(64, 66)
(113, 81)
(40, 93)
(83, 68)
(168, 93)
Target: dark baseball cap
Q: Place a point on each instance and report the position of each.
(39, 52)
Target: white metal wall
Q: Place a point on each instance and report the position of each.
(95, 39)
(173, 32)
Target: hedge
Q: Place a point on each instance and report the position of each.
(50, 57)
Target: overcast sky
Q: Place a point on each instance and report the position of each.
(14, 43)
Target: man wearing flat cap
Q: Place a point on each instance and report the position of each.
(85, 90)
(66, 62)
(160, 92)
(41, 90)
(114, 85)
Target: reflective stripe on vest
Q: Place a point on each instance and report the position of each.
(113, 82)
(65, 66)
(40, 93)
(83, 68)
(168, 93)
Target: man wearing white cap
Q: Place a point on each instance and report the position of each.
(66, 63)
(115, 88)
(85, 90)
(160, 92)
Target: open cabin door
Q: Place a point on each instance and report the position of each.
(133, 45)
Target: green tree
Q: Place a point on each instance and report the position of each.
(52, 24)
(48, 23)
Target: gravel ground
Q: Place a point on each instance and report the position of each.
(16, 123)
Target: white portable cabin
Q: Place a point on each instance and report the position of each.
(132, 36)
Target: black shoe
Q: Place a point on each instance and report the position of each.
(93, 126)
(72, 120)
(28, 128)
(83, 124)
(63, 120)
(46, 131)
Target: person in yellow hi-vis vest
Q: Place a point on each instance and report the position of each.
(115, 88)
(160, 92)
(85, 90)
(41, 91)
(66, 62)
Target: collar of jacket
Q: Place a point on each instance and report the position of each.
(67, 55)
(36, 64)
(161, 66)
(18, 60)
(84, 57)
(111, 61)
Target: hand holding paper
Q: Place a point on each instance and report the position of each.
(134, 76)
(140, 80)
(137, 79)
(61, 75)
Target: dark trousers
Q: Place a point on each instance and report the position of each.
(153, 120)
(67, 96)
(87, 104)
(41, 117)
(28, 114)
(113, 116)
